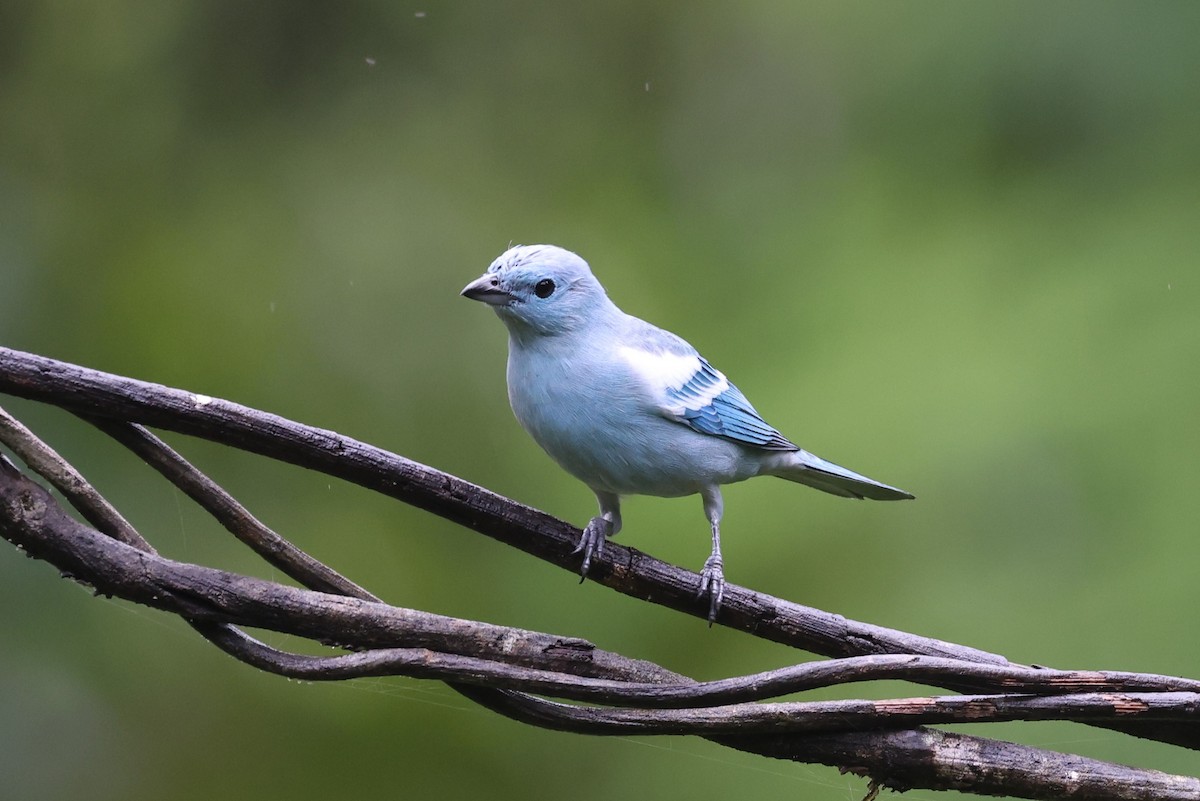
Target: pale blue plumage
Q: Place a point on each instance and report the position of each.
(629, 408)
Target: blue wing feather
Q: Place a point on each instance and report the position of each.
(728, 415)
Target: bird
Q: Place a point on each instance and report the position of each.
(631, 409)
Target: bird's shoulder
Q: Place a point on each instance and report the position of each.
(658, 359)
(638, 334)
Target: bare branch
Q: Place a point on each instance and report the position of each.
(627, 570)
(46, 462)
(276, 550)
(499, 666)
(427, 664)
(991, 767)
(29, 517)
(35, 522)
(862, 715)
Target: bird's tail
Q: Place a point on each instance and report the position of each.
(802, 467)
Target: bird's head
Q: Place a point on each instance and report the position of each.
(541, 290)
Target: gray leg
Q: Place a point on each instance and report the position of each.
(604, 525)
(712, 577)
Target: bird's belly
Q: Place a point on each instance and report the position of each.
(638, 453)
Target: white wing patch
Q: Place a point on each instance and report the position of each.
(667, 373)
(691, 391)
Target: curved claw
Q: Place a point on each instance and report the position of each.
(592, 542)
(712, 583)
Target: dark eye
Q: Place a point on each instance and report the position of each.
(544, 288)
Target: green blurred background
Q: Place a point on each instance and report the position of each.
(953, 246)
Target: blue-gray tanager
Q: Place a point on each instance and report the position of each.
(630, 409)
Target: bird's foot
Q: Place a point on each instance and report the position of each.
(712, 583)
(592, 542)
